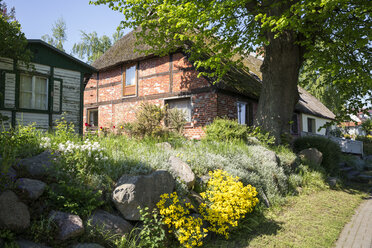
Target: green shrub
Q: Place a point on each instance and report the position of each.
(176, 119)
(225, 130)
(74, 198)
(149, 121)
(331, 151)
(222, 129)
(367, 144)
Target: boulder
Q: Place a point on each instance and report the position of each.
(141, 191)
(311, 155)
(164, 146)
(37, 166)
(14, 214)
(28, 244)
(109, 223)
(182, 170)
(31, 187)
(332, 181)
(69, 225)
(87, 245)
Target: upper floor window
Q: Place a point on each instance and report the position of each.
(33, 92)
(129, 81)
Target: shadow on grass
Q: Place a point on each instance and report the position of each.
(254, 225)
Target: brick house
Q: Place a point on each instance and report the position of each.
(126, 78)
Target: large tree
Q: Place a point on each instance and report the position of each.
(59, 36)
(12, 41)
(92, 47)
(332, 35)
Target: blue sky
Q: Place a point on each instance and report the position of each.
(37, 17)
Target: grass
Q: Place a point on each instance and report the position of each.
(309, 220)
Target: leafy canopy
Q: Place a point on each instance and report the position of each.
(59, 36)
(334, 34)
(92, 47)
(13, 42)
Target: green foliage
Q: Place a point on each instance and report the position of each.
(222, 129)
(64, 131)
(367, 143)
(130, 240)
(9, 238)
(20, 142)
(13, 42)
(176, 119)
(367, 126)
(74, 198)
(92, 47)
(331, 151)
(43, 230)
(152, 233)
(149, 121)
(59, 36)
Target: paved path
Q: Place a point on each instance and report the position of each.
(358, 232)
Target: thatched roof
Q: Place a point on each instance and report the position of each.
(122, 52)
(236, 80)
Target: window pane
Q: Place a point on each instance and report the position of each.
(130, 76)
(183, 105)
(40, 85)
(26, 83)
(40, 93)
(25, 100)
(241, 112)
(93, 117)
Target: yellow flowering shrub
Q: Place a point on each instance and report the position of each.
(188, 229)
(226, 201)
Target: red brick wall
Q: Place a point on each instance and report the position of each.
(158, 79)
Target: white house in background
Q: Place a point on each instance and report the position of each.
(312, 115)
(41, 93)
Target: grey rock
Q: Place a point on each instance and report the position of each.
(268, 155)
(37, 166)
(352, 175)
(31, 187)
(332, 181)
(28, 244)
(364, 178)
(142, 191)
(87, 245)
(311, 155)
(69, 225)
(110, 223)
(164, 146)
(182, 170)
(14, 214)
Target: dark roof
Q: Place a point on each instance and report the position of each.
(44, 53)
(122, 52)
(236, 80)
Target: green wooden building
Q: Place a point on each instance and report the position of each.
(52, 85)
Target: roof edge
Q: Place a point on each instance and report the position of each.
(35, 41)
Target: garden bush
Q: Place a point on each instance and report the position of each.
(223, 129)
(331, 151)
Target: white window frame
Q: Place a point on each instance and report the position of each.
(242, 112)
(33, 93)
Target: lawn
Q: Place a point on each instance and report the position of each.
(309, 220)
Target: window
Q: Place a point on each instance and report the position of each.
(242, 112)
(129, 81)
(183, 104)
(294, 124)
(33, 92)
(311, 125)
(93, 117)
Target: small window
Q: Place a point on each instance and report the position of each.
(93, 117)
(129, 81)
(294, 124)
(183, 104)
(242, 112)
(311, 125)
(33, 92)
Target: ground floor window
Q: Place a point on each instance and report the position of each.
(183, 104)
(311, 125)
(33, 92)
(242, 112)
(93, 117)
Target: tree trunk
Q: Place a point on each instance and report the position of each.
(279, 94)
